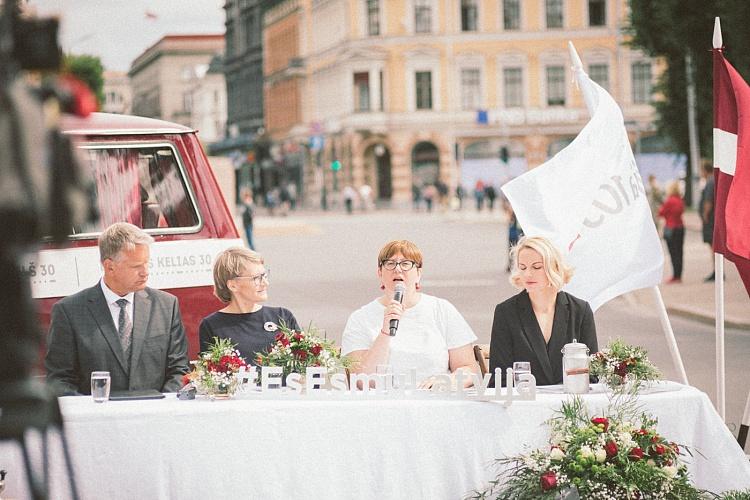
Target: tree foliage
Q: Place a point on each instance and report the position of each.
(88, 69)
(671, 29)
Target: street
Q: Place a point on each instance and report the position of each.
(324, 267)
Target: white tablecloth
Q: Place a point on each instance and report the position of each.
(255, 447)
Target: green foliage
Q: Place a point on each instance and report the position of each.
(617, 455)
(619, 364)
(88, 69)
(670, 29)
(295, 351)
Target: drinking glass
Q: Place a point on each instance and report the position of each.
(100, 382)
(519, 368)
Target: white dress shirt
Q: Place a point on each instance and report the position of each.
(114, 309)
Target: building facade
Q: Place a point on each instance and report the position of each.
(243, 66)
(405, 93)
(209, 103)
(163, 76)
(117, 93)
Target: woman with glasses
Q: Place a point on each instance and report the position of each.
(241, 282)
(535, 324)
(432, 336)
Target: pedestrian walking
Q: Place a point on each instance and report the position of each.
(460, 193)
(490, 194)
(429, 194)
(416, 197)
(349, 194)
(365, 195)
(291, 190)
(655, 197)
(706, 208)
(514, 230)
(479, 194)
(674, 228)
(248, 211)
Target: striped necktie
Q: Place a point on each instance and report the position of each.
(124, 327)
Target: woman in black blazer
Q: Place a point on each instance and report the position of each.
(535, 324)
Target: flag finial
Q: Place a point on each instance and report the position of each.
(577, 64)
(718, 42)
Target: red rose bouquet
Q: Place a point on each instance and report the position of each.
(623, 367)
(296, 350)
(620, 455)
(216, 370)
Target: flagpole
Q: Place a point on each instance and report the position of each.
(720, 361)
(717, 43)
(588, 97)
(666, 326)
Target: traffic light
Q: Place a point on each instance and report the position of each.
(335, 165)
(504, 154)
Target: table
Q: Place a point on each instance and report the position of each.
(256, 447)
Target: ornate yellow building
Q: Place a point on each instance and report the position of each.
(408, 92)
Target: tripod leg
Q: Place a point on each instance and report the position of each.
(742, 436)
(68, 465)
(35, 488)
(45, 459)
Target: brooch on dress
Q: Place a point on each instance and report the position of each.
(270, 326)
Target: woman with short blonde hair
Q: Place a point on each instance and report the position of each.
(557, 271)
(535, 324)
(241, 282)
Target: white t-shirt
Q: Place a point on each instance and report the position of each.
(425, 334)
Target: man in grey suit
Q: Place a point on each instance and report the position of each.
(118, 325)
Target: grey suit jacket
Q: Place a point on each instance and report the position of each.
(83, 338)
(516, 335)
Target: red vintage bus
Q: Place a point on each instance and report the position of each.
(153, 174)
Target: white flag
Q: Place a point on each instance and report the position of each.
(590, 201)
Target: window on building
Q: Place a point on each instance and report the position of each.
(600, 74)
(597, 12)
(511, 14)
(187, 102)
(422, 16)
(641, 72)
(469, 15)
(229, 40)
(512, 87)
(471, 89)
(373, 17)
(362, 91)
(249, 31)
(555, 86)
(382, 92)
(554, 13)
(187, 73)
(423, 81)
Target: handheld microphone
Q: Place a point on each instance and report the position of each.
(398, 295)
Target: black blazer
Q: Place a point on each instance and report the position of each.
(516, 335)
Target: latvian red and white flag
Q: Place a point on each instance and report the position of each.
(732, 166)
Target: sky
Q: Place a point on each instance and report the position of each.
(118, 31)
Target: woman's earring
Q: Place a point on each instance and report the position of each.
(417, 285)
(382, 287)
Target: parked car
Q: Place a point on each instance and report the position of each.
(153, 174)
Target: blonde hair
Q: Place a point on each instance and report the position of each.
(230, 264)
(673, 189)
(557, 271)
(404, 247)
(121, 236)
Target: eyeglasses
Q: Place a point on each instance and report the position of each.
(405, 265)
(258, 279)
